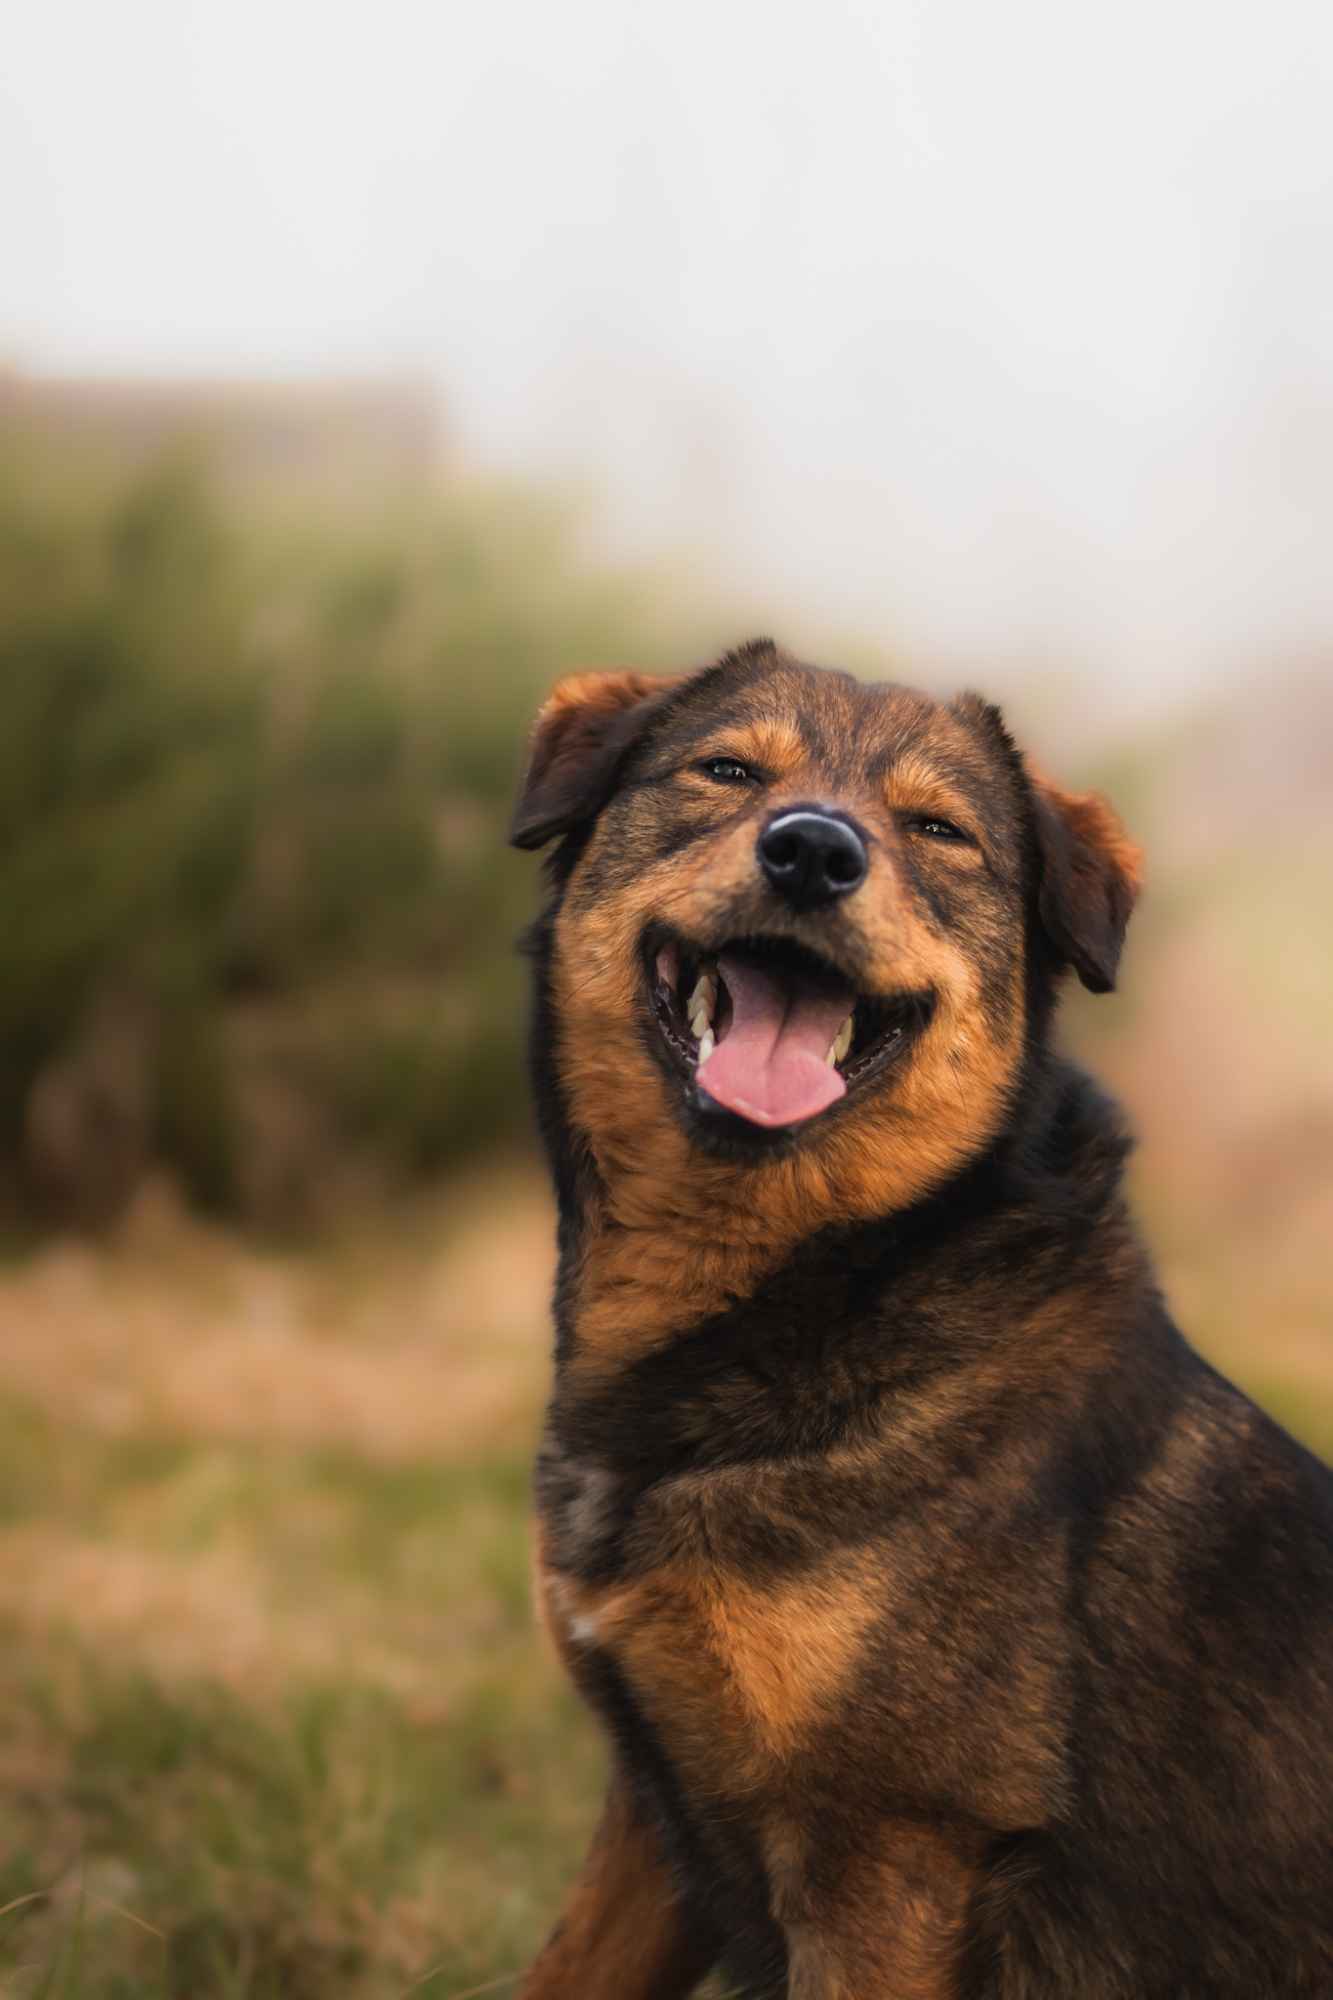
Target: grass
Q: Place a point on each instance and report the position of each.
(337, 1838)
(274, 1719)
(275, 1723)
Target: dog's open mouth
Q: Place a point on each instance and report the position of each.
(769, 1032)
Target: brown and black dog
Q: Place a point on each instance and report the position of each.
(956, 1630)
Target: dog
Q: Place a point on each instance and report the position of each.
(955, 1629)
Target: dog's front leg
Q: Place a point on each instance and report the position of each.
(891, 1923)
(625, 1934)
(854, 1965)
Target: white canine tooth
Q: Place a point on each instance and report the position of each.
(842, 1042)
(707, 1043)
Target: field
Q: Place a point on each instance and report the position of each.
(275, 1723)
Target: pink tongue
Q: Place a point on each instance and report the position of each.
(772, 1065)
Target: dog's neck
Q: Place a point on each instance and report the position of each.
(658, 1239)
(928, 1318)
(656, 1249)
(658, 1234)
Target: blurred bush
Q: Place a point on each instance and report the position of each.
(256, 910)
(257, 914)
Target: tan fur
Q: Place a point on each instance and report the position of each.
(567, 738)
(897, 1927)
(1095, 820)
(595, 695)
(915, 786)
(734, 1675)
(679, 1236)
(623, 1936)
(769, 742)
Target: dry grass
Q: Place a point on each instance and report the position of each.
(398, 1351)
(275, 1719)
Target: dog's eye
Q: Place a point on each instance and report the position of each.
(727, 770)
(936, 828)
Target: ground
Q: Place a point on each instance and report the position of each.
(275, 1718)
(276, 1722)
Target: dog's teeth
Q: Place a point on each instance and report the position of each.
(700, 1004)
(704, 994)
(842, 1041)
(707, 1043)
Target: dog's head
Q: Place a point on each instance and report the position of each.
(802, 924)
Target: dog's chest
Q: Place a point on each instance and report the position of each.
(756, 1671)
(732, 1669)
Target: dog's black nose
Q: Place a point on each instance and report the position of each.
(812, 857)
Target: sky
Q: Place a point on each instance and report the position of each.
(994, 332)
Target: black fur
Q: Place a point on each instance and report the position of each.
(1109, 1666)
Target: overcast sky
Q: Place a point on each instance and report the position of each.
(993, 329)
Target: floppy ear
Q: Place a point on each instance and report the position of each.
(1090, 876)
(581, 733)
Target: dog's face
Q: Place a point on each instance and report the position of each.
(802, 923)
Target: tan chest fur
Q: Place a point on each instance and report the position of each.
(740, 1674)
(734, 1678)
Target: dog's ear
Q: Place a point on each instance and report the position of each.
(581, 734)
(1090, 876)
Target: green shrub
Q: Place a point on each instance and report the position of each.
(253, 784)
